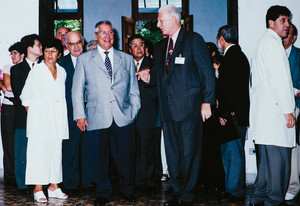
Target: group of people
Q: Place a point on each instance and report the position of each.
(70, 117)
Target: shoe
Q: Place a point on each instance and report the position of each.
(173, 202)
(25, 191)
(100, 201)
(130, 198)
(71, 192)
(57, 194)
(183, 203)
(229, 198)
(39, 196)
(258, 204)
(290, 202)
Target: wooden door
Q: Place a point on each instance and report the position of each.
(128, 29)
(188, 23)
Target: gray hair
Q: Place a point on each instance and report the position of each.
(100, 23)
(171, 10)
(65, 38)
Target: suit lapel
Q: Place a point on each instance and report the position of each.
(117, 61)
(176, 52)
(98, 59)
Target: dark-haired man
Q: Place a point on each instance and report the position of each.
(33, 50)
(61, 32)
(8, 116)
(272, 121)
(232, 92)
(147, 140)
(294, 59)
(105, 79)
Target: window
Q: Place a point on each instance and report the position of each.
(68, 13)
(147, 9)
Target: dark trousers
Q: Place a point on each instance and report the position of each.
(8, 141)
(273, 174)
(76, 159)
(183, 143)
(233, 158)
(146, 157)
(119, 142)
(20, 157)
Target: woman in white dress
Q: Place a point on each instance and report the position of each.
(44, 98)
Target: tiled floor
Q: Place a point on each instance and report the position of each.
(11, 196)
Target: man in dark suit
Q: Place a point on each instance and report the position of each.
(294, 59)
(33, 50)
(232, 92)
(105, 78)
(76, 148)
(147, 140)
(186, 85)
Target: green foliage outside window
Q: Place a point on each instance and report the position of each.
(149, 31)
(74, 25)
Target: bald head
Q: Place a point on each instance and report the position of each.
(74, 42)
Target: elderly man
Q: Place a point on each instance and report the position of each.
(186, 85)
(105, 79)
(61, 32)
(272, 110)
(76, 148)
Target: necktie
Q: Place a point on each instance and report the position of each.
(32, 65)
(137, 66)
(108, 65)
(169, 56)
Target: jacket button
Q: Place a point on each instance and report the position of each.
(110, 101)
(108, 77)
(111, 88)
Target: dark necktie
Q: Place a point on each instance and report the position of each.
(169, 55)
(108, 65)
(33, 65)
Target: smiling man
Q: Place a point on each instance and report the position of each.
(105, 79)
(272, 108)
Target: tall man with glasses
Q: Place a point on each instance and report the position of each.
(76, 148)
(33, 50)
(105, 79)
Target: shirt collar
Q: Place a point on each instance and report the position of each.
(288, 50)
(174, 37)
(30, 63)
(228, 48)
(74, 60)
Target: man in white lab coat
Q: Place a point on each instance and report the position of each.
(272, 108)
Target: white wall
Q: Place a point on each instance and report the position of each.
(17, 18)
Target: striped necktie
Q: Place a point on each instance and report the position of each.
(108, 65)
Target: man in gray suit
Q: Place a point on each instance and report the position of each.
(105, 79)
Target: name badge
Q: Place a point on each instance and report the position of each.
(179, 60)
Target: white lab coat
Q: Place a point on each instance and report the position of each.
(271, 94)
(47, 124)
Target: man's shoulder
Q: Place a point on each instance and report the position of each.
(296, 49)
(19, 66)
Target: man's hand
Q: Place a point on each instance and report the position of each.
(222, 121)
(205, 111)
(297, 93)
(143, 75)
(290, 120)
(81, 124)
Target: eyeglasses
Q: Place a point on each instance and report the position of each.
(133, 46)
(71, 44)
(104, 33)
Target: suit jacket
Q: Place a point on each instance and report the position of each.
(188, 85)
(105, 102)
(294, 60)
(232, 87)
(67, 64)
(18, 77)
(147, 116)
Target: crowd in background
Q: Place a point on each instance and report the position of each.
(76, 118)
